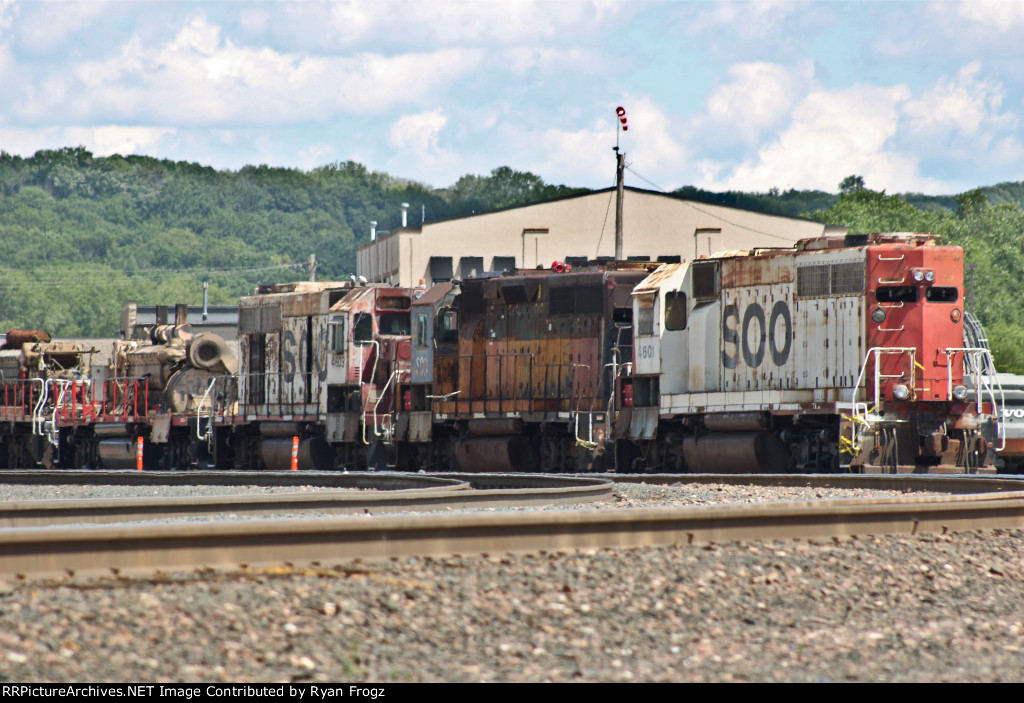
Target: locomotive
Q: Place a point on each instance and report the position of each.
(839, 354)
(843, 352)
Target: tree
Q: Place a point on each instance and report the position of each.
(851, 184)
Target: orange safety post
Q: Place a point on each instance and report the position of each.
(295, 453)
(138, 455)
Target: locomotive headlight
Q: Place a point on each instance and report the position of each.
(878, 315)
(955, 315)
(900, 392)
(918, 275)
(929, 275)
(960, 392)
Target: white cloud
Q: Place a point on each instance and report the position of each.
(1002, 16)
(580, 156)
(200, 78)
(466, 23)
(834, 134)
(116, 139)
(417, 135)
(963, 104)
(8, 11)
(759, 18)
(315, 155)
(101, 141)
(46, 25)
(758, 96)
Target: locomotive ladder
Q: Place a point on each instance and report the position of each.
(976, 361)
(862, 415)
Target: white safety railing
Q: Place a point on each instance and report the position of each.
(861, 415)
(975, 360)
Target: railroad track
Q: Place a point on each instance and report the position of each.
(972, 503)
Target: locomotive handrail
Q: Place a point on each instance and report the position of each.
(37, 416)
(373, 374)
(890, 258)
(912, 351)
(891, 281)
(380, 396)
(50, 429)
(980, 385)
(861, 418)
(199, 413)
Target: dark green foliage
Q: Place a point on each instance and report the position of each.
(80, 235)
(851, 184)
(505, 187)
(992, 236)
(792, 203)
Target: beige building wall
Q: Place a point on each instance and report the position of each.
(583, 227)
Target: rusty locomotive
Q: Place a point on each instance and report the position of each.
(840, 354)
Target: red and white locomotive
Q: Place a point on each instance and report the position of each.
(843, 352)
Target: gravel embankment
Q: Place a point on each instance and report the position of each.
(929, 608)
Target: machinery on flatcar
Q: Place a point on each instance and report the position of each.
(43, 384)
(841, 353)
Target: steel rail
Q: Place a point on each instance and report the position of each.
(382, 493)
(937, 483)
(325, 541)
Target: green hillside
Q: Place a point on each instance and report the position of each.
(81, 235)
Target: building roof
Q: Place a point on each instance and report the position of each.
(692, 201)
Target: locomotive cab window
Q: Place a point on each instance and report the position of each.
(448, 326)
(338, 334)
(396, 324)
(675, 310)
(896, 294)
(420, 331)
(942, 294)
(645, 314)
(362, 330)
(622, 316)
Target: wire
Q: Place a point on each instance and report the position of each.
(711, 214)
(160, 271)
(646, 180)
(113, 277)
(597, 251)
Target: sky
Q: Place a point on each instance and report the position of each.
(921, 97)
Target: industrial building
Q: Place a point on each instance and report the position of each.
(573, 229)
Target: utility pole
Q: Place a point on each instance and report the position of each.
(620, 172)
(312, 267)
(620, 168)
